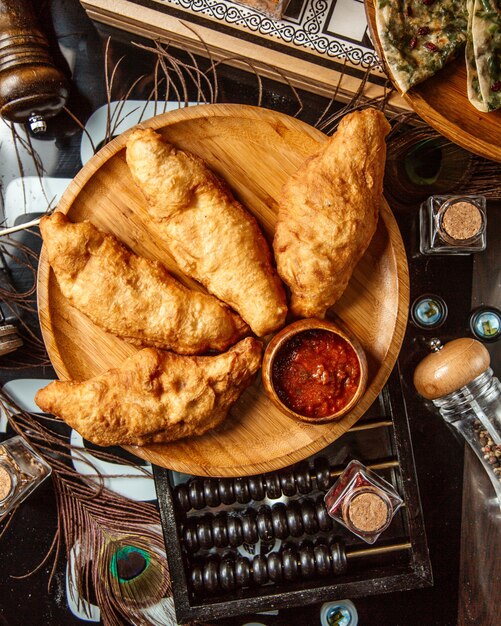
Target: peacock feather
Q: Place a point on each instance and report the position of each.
(120, 563)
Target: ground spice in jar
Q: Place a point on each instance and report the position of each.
(367, 511)
(5, 483)
(461, 221)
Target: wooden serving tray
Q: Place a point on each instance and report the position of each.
(442, 102)
(288, 51)
(255, 150)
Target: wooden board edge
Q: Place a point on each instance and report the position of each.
(280, 66)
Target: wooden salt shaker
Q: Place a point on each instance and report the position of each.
(31, 87)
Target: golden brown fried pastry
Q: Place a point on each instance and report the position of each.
(133, 297)
(328, 213)
(210, 235)
(154, 396)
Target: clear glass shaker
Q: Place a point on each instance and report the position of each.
(458, 379)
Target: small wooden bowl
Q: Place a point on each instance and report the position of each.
(285, 335)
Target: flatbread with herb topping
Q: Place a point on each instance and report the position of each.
(473, 84)
(486, 37)
(419, 37)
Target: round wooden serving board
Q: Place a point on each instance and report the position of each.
(442, 102)
(255, 150)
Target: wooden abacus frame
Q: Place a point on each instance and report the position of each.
(379, 568)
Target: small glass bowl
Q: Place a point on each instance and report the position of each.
(362, 502)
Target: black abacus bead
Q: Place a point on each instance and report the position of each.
(272, 484)
(211, 492)
(279, 520)
(204, 531)
(241, 487)
(249, 526)
(196, 493)
(227, 574)
(324, 519)
(259, 570)
(190, 538)
(303, 477)
(309, 517)
(234, 526)
(220, 530)
(242, 572)
(287, 482)
(275, 570)
(338, 557)
(197, 579)
(226, 490)
(290, 564)
(307, 561)
(264, 523)
(322, 557)
(181, 495)
(256, 487)
(294, 521)
(211, 575)
(322, 473)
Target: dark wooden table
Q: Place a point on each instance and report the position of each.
(480, 573)
(473, 592)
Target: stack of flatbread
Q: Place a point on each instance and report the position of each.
(419, 37)
(483, 54)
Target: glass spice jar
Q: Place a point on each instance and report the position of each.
(21, 471)
(362, 502)
(453, 225)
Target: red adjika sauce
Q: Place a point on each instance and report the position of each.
(316, 373)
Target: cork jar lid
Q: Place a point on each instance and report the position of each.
(451, 367)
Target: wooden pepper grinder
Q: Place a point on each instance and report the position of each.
(458, 379)
(31, 87)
